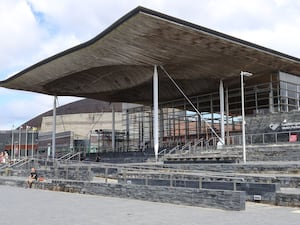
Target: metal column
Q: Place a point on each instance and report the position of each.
(161, 125)
(212, 114)
(12, 152)
(186, 130)
(227, 115)
(20, 139)
(32, 140)
(127, 129)
(271, 101)
(155, 112)
(26, 141)
(221, 94)
(113, 134)
(54, 127)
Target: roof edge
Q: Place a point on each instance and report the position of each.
(218, 34)
(157, 14)
(80, 46)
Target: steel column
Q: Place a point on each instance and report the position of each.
(221, 94)
(155, 112)
(54, 127)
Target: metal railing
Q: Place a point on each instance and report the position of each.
(210, 145)
(267, 138)
(155, 176)
(172, 179)
(65, 156)
(75, 155)
(17, 163)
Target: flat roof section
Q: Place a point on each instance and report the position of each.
(117, 65)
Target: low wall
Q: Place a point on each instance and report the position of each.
(267, 192)
(284, 199)
(66, 172)
(221, 199)
(274, 153)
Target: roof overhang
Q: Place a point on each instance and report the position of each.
(117, 65)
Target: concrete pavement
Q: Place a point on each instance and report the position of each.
(38, 207)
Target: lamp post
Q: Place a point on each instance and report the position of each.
(247, 74)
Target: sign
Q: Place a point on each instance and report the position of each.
(293, 138)
(285, 126)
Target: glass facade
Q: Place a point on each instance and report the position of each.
(289, 92)
(180, 124)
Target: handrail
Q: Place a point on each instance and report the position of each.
(185, 146)
(198, 142)
(4, 166)
(16, 163)
(26, 160)
(64, 156)
(74, 155)
(162, 152)
(173, 149)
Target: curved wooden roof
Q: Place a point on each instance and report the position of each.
(117, 65)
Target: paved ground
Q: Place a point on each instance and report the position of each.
(37, 207)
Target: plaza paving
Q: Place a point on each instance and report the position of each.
(38, 207)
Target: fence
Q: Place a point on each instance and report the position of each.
(266, 138)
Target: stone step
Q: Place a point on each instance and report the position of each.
(288, 197)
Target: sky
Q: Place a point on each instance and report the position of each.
(32, 30)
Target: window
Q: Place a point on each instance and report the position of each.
(289, 94)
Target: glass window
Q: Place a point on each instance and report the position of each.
(292, 96)
(289, 96)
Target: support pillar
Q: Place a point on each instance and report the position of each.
(221, 94)
(186, 128)
(271, 97)
(198, 121)
(113, 133)
(161, 125)
(32, 140)
(212, 114)
(26, 141)
(127, 129)
(12, 152)
(142, 128)
(227, 115)
(54, 127)
(155, 112)
(174, 125)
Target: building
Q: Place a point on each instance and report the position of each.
(187, 78)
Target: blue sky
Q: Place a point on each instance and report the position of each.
(32, 30)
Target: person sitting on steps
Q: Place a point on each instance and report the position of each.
(32, 178)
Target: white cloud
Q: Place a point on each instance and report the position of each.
(18, 31)
(282, 38)
(26, 106)
(84, 18)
